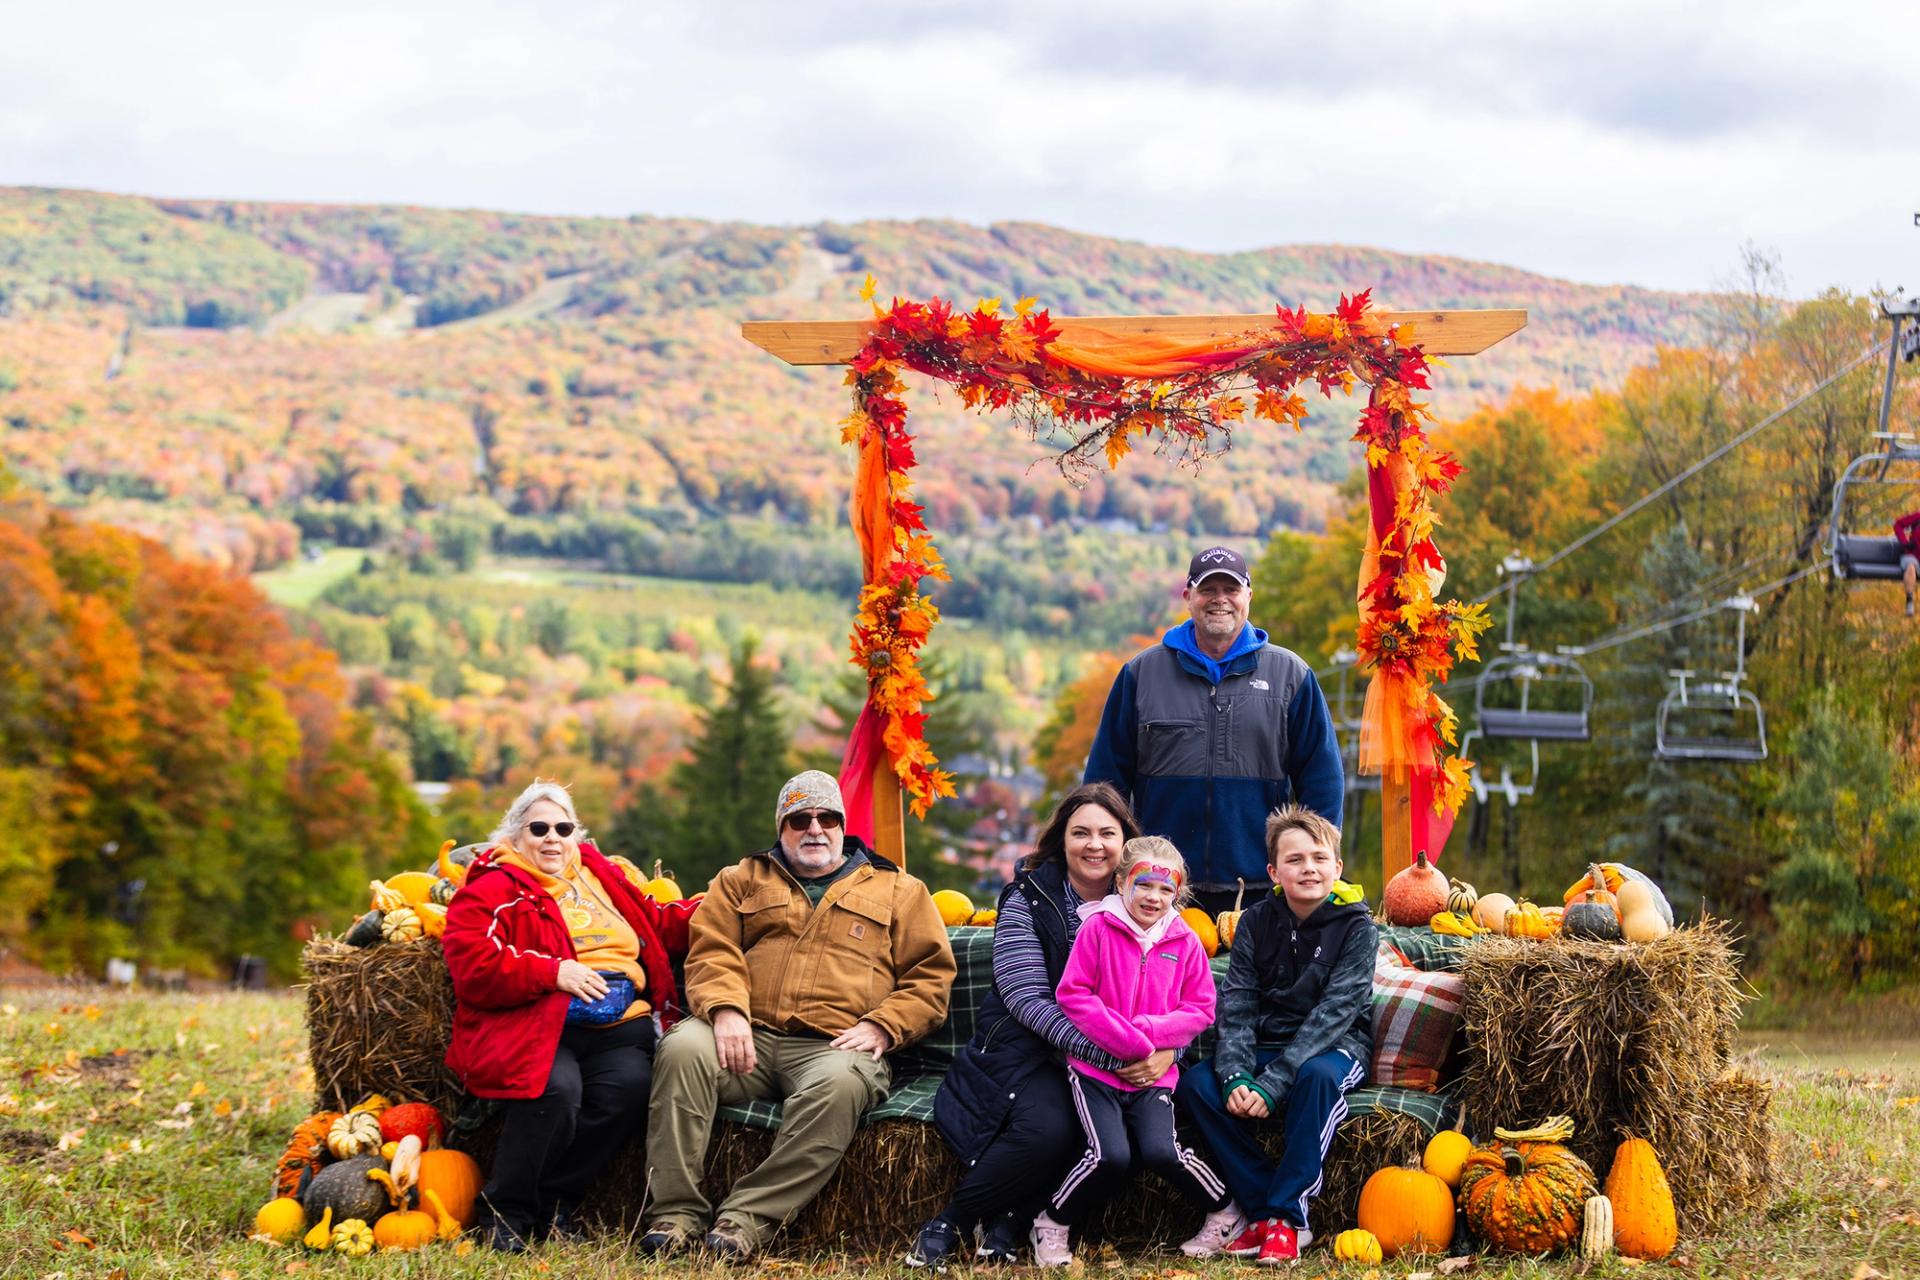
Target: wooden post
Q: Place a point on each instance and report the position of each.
(889, 815)
(1396, 826)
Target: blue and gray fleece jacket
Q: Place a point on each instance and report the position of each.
(1205, 750)
(1301, 987)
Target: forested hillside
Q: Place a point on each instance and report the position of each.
(552, 514)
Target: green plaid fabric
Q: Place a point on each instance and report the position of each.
(1423, 948)
(1436, 1111)
(918, 1069)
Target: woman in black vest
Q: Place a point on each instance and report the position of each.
(1005, 1108)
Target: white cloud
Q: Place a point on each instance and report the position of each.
(1628, 143)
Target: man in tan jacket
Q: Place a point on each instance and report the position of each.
(810, 961)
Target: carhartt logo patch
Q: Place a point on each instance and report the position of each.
(858, 931)
(1258, 684)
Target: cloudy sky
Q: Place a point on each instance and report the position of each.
(1623, 142)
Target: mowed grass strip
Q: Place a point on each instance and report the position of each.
(138, 1135)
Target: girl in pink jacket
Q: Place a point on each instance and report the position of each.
(1138, 984)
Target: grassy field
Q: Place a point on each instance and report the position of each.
(138, 1134)
(300, 583)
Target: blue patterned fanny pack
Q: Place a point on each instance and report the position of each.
(609, 1008)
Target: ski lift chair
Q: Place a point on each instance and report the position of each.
(1508, 787)
(1346, 723)
(1727, 703)
(1550, 672)
(1866, 556)
(1721, 703)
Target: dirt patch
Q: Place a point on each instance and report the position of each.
(116, 1068)
(22, 1144)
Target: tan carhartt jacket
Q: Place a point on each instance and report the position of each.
(875, 948)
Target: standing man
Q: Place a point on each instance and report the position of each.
(810, 961)
(1212, 729)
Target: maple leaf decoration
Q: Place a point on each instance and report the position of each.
(1007, 362)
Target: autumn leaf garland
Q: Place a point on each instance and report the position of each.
(1107, 395)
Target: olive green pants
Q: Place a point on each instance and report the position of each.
(823, 1091)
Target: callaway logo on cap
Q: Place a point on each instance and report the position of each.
(1218, 560)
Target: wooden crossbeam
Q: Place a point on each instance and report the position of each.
(1440, 333)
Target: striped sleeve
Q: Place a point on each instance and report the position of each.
(1020, 972)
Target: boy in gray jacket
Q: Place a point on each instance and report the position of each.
(1296, 1033)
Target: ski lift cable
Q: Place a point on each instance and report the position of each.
(1719, 581)
(1711, 587)
(1641, 633)
(1653, 495)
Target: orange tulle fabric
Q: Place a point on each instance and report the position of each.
(1143, 356)
(871, 508)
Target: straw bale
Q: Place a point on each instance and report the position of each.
(1148, 1213)
(378, 1021)
(899, 1173)
(1718, 1154)
(1629, 1040)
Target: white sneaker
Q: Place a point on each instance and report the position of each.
(1050, 1244)
(1220, 1229)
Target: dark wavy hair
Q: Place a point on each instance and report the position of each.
(1052, 844)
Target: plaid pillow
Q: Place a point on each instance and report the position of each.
(1415, 1013)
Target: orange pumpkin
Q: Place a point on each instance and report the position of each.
(455, 1178)
(1203, 928)
(1527, 1197)
(403, 1229)
(1408, 1211)
(306, 1152)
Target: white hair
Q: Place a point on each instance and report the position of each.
(516, 816)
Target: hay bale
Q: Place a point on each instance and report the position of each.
(1149, 1214)
(1719, 1154)
(1629, 1041)
(378, 1021)
(899, 1173)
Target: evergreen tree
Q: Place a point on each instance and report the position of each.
(1680, 828)
(1845, 899)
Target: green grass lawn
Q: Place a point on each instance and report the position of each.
(138, 1135)
(300, 583)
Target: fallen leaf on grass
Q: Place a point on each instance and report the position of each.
(1419, 1275)
(463, 1248)
(1450, 1265)
(293, 1267)
(72, 1138)
(1867, 1271)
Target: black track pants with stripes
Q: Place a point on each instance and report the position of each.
(1129, 1130)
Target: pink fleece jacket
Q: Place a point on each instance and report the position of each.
(1133, 991)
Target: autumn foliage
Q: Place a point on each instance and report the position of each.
(179, 780)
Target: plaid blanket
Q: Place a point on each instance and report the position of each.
(918, 1071)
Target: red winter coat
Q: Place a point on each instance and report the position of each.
(504, 942)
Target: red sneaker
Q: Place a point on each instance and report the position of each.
(1283, 1243)
(1247, 1243)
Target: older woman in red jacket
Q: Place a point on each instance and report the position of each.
(562, 980)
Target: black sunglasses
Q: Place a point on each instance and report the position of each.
(797, 822)
(538, 830)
